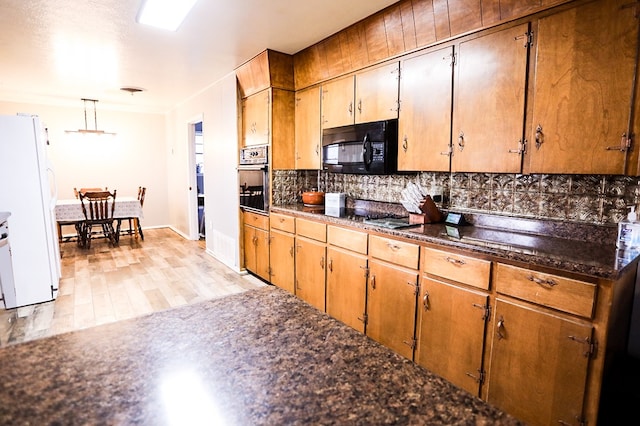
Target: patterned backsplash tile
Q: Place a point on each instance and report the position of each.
(595, 199)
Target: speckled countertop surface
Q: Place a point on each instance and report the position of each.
(262, 357)
(583, 249)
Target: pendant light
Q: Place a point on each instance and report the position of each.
(86, 130)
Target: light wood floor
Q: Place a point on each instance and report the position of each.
(107, 284)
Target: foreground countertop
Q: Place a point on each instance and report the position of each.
(592, 252)
(263, 357)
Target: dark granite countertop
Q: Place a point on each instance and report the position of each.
(263, 357)
(580, 249)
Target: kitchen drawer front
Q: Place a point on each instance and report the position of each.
(347, 238)
(257, 220)
(283, 222)
(310, 229)
(456, 267)
(398, 252)
(564, 294)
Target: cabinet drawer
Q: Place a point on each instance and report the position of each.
(347, 238)
(456, 267)
(564, 294)
(282, 222)
(398, 252)
(257, 220)
(310, 229)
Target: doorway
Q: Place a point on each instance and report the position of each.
(198, 142)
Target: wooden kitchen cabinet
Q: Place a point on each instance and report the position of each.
(308, 132)
(370, 95)
(268, 119)
(584, 70)
(337, 102)
(310, 261)
(489, 103)
(255, 119)
(256, 244)
(347, 276)
(282, 251)
(391, 306)
(424, 124)
(539, 364)
(452, 317)
(392, 293)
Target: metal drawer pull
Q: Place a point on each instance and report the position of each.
(393, 246)
(548, 282)
(373, 282)
(330, 265)
(500, 331)
(455, 261)
(425, 301)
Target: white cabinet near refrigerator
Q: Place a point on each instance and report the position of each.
(27, 191)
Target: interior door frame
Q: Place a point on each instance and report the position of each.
(192, 209)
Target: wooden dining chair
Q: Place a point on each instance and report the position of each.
(134, 222)
(98, 208)
(77, 192)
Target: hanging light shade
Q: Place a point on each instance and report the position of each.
(86, 129)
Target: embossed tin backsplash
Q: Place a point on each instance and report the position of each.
(596, 199)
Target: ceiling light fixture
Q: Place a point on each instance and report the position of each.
(86, 130)
(165, 14)
(132, 89)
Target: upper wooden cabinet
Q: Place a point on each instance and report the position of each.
(255, 119)
(308, 133)
(583, 83)
(424, 125)
(268, 69)
(371, 95)
(489, 105)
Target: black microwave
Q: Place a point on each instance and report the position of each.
(366, 148)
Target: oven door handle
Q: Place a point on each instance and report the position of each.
(253, 167)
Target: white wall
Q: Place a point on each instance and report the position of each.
(217, 105)
(135, 156)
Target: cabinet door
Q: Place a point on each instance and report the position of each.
(391, 306)
(282, 260)
(249, 240)
(538, 365)
(377, 93)
(584, 73)
(425, 113)
(450, 332)
(282, 129)
(488, 118)
(262, 253)
(337, 102)
(310, 271)
(255, 119)
(346, 287)
(307, 130)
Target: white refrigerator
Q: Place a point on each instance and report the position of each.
(28, 192)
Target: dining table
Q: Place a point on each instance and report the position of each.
(70, 210)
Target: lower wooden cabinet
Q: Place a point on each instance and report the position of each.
(256, 244)
(310, 271)
(539, 364)
(450, 332)
(282, 260)
(346, 286)
(391, 306)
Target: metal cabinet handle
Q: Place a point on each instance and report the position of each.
(500, 330)
(545, 283)
(360, 106)
(457, 262)
(322, 262)
(405, 143)
(539, 137)
(461, 141)
(330, 265)
(425, 301)
(291, 251)
(373, 282)
(350, 108)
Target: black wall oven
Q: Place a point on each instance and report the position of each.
(253, 177)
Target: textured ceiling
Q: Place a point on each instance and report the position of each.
(58, 51)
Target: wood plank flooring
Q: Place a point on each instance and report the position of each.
(106, 284)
